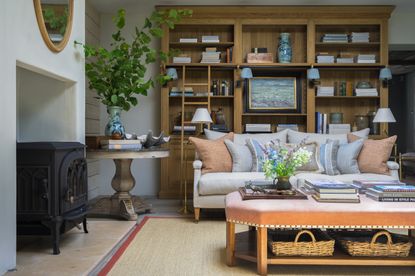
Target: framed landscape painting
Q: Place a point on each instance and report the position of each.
(273, 94)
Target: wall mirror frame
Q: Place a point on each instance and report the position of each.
(59, 45)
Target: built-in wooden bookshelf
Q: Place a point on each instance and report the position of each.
(245, 27)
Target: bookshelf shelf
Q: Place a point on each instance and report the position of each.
(348, 44)
(275, 114)
(200, 44)
(276, 64)
(348, 97)
(353, 65)
(197, 64)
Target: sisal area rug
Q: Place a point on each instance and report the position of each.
(177, 246)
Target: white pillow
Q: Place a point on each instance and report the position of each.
(241, 156)
(295, 137)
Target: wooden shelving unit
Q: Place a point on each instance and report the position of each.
(247, 27)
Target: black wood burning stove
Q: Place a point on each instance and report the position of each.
(52, 188)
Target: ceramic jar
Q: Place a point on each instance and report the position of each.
(362, 121)
(114, 127)
(284, 48)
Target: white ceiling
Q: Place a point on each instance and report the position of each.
(110, 6)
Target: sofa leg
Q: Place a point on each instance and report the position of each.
(197, 214)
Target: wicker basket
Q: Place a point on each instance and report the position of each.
(369, 243)
(286, 243)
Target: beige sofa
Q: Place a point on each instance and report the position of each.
(210, 189)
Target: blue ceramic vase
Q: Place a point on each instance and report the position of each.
(114, 126)
(284, 48)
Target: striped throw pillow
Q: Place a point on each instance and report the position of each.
(328, 157)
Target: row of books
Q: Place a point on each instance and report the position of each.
(325, 91)
(205, 39)
(110, 144)
(390, 193)
(210, 55)
(355, 37)
(345, 89)
(366, 92)
(186, 129)
(357, 59)
(267, 128)
(339, 128)
(331, 191)
(321, 123)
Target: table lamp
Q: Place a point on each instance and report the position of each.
(201, 116)
(246, 73)
(384, 115)
(172, 73)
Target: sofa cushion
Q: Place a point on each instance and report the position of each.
(295, 137)
(375, 154)
(298, 179)
(347, 157)
(214, 154)
(241, 157)
(257, 154)
(328, 156)
(224, 183)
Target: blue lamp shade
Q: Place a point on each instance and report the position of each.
(246, 73)
(172, 73)
(313, 74)
(385, 74)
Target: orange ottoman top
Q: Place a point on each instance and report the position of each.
(309, 213)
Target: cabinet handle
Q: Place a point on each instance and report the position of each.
(45, 194)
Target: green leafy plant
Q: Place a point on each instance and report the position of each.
(56, 22)
(118, 75)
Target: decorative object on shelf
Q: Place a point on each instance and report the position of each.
(55, 22)
(273, 94)
(246, 73)
(336, 118)
(202, 116)
(374, 127)
(114, 127)
(118, 75)
(281, 162)
(220, 117)
(260, 58)
(150, 141)
(362, 121)
(363, 85)
(284, 48)
(313, 75)
(384, 115)
(172, 73)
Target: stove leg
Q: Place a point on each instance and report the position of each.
(84, 225)
(55, 227)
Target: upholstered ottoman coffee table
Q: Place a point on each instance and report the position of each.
(309, 214)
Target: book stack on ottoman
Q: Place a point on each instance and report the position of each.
(392, 193)
(332, 191)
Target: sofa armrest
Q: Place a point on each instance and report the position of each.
(393, 168)
(197, 166)
(392, 165)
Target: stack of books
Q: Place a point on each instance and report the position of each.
(175, 91)
(210, 55)
(321, 123)
(360, 37)
(335, 38)
(182, 59)
(325, 58)
(339, 128)
(258, 128)
(344, 60)
(281, 127)
(210, 39)
(361, 58)
(366, 92)
(186, 129)
(121, 144)
(332, 191)
(393, 193)
(325, 91)
(364, 185)
(188, 40)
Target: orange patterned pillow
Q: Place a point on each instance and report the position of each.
(214, 154)
(374, 154)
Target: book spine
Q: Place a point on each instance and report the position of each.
(395, 199)
(120, 147)
(393, 194)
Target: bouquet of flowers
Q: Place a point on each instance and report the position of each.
(282, 160)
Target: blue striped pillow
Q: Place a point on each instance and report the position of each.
(328, 157)
(258, 154)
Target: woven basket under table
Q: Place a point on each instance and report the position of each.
(287, 243)
(369, 243)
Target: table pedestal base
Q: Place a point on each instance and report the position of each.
(111, 206)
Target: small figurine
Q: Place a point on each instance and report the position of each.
(149, 141)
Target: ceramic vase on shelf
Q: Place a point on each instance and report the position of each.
(282, 183)
(114, 127)
(284, 48)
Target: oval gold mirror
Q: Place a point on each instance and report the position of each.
(54, 18)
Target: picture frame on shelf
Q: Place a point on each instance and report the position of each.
(276, 94)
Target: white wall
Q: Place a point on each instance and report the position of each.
(140, 119)
(401, 27)
(21, 42)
